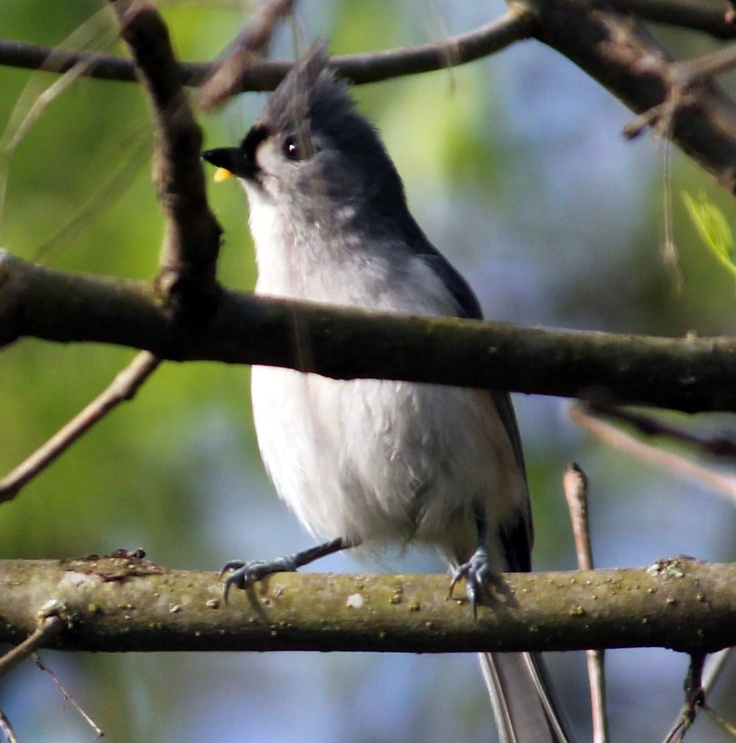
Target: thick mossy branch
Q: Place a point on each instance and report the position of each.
(690, 374)
(126, 604)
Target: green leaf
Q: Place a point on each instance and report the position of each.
(713, 228)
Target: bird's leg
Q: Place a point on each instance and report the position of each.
(477, 571)
(243, 574)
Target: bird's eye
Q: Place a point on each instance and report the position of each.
(291, 149)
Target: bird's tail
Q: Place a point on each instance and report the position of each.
(523, 706)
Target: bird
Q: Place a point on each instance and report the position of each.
(377, 463)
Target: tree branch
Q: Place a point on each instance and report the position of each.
(692, 14)
(49, 624)
(675, 464)
(126, 604)
(192, 238)
(621, 55)
(690, 374)
(611, 47)
(266, 74)
(227, 75)
(575, 486)
(122, 388)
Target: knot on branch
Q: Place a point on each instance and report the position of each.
(191, 295)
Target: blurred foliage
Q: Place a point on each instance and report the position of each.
(713, 228)
(135, 475)
(516, 168)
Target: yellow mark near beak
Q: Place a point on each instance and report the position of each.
(222, 174)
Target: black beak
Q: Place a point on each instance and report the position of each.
(230, 158)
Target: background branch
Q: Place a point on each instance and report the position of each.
(575, 487)
(721, 445)
(722, 482)
(122, 388)
(612, 48)
(126, 604)
(621, 55)
(227, 75)
(693, 14)
(266, 74)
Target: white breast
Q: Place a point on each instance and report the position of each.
(376, 461)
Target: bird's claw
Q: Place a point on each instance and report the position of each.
(478, 573)
(244, 574)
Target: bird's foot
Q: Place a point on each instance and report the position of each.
(245, 574)
(478, 573)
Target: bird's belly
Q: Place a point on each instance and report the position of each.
(385, 462)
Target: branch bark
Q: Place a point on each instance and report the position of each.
(692, 14)
(690, 374)
(192, 238)
(126, 604)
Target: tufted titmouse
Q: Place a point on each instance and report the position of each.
(369, 462)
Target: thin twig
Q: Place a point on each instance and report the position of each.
(48, 627)
(660, 119)
(31, 104)
(627, 61)
(682, 76)
(715, 446)
(713, 668)
(68, 697)
(710, 65)
(7, 729)
(227, 76)
(719, 720)
(694, 698)
(123, 387)
(265, 75)
(575, 485)
(668, 249)
(191, 243)
(665, 460)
